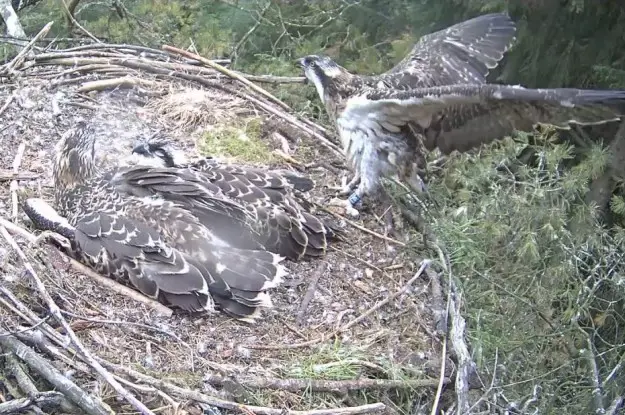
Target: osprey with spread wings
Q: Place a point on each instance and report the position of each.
(438, 97)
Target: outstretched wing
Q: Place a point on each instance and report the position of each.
(460, 117)
(462, 53)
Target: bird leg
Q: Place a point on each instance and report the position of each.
(348, 187)
(47, 236)
(389, 221)
(347, 204)
(351, 185)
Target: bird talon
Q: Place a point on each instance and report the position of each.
(345, 205)
(47, 236)
(344, 190)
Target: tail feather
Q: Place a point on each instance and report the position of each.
(190, 302)
(299, 183)
(238, 310)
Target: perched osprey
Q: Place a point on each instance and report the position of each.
(161, 247)
(437, 97)
(283, 221)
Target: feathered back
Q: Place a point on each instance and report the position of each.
(161, 247)
(285, 226)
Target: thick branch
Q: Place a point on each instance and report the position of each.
(52, 375)
(41, 399)
(317, 385)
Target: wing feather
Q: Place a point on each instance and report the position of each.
(127, 248)
(462, 53)
(459, 117)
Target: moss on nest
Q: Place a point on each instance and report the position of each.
(240, 141)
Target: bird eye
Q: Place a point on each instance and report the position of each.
(312, 64)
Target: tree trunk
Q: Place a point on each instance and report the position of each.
(14, 27)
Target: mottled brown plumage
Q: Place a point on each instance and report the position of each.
(282, 219)
(438, 97)
(160, 246)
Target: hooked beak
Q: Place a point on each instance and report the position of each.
(300, 62)
(141, 148)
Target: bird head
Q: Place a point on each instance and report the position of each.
(321, 71)
(158, 151)
(75, 155)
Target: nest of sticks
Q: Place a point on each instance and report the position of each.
(361, 331)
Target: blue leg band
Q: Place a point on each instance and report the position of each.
(354, 199)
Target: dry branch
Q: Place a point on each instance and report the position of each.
(181, 71)
(71, 18)
(456, 337)
(103, 84)
(261, 91)
(359, 227)
(52, 375)
(20, 175)
(17, 61)
(317, 385)
(310, 292)
(17, 162)
(8, 102)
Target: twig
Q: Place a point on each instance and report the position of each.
(597, 390)
(8, 102)
(359, 227)
(17, 162)
(318, 385)
(261, 14)
(456, 335)
(71, 17)
(287, 157)
(424, 264)
(122, 323)
(9, 175)
(17, 61)
(271, 79)
(56, 312)
(160, 68)
(37, 339)
(439, 312)
(52, 375)
(310, 292)
(107, 282)
(103, 84)
(229, 73)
